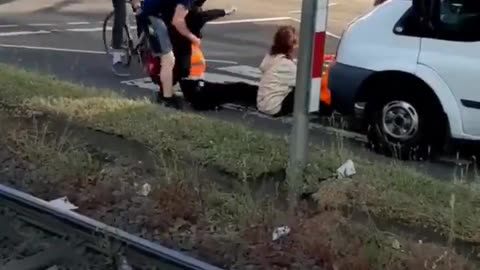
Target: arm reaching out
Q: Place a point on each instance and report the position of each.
(213, 14)
(179, 23)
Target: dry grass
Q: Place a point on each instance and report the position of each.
(388, 191)
(227, 227)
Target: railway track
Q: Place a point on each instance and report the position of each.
(36, 235)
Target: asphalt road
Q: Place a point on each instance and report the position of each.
(63, 37)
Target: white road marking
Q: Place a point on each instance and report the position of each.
(243, 70)
(41, 24)
(99, 29)
(299, 11)
(94, 29)
(328, 33)
(221, 61)
(91, 52)
(8, 25)
(223, 78)
(77, 23)
(49, 49)
(253, 20)
(23, 33)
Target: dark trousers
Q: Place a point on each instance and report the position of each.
(119, 21)
(287, 104)
(204, 95)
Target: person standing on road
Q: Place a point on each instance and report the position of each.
(119, 20)
(189, 59)
(163, 14)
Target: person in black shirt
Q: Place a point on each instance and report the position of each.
(164, 15)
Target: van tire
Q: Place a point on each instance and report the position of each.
(402, 103)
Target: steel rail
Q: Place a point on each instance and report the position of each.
(133, 245)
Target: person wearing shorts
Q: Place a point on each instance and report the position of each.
(163, 14)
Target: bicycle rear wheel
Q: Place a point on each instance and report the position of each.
(107, 39)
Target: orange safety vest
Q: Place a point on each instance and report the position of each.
(325, 94)
(198, 63)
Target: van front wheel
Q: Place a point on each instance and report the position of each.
(403, 125)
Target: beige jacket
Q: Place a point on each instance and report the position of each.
(278, 79)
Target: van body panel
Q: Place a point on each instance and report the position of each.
(347, 81)
(458, 64)
(370, 43)
(446, 98)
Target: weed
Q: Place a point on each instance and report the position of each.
(325, 237)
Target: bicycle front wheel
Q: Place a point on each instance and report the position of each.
(107, 38)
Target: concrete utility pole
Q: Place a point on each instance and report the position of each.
(307, 91)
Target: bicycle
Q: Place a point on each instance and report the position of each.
(131, 47)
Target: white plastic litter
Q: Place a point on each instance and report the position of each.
(124, 264)
(280, 232)
(396, 244)
(63, 203)
(346, 170)
(145, 190)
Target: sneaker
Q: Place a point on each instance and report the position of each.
(159, 97)
(172, 102)
(118, 67)
(230, 11)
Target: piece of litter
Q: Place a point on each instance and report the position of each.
(63, 203)
(395, 244)
(346, 170)
(280, 232)
(420, 242)
(124, 264)
(145, 190)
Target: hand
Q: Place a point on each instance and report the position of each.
(230, 11)
(138, 11)
(195, 40)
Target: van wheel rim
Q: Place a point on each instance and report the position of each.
(400, 120)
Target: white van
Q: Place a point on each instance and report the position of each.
(413, 68)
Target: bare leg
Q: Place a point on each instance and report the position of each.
(166, 74)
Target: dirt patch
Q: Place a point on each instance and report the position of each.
(187, 210)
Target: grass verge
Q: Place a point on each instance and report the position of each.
(390, 193)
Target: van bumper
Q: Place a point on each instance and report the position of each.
(344, 83)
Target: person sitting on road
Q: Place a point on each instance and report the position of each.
(279, 69)
(163, 14)
(273, 96)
